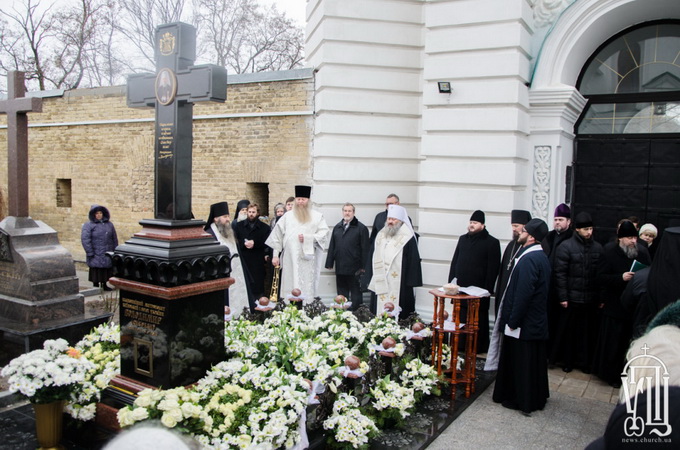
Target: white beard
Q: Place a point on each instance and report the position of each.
(391, 231)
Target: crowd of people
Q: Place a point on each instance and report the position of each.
(387, 262)
(561, 297)
(574, 302)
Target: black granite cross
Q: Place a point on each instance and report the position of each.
(16, 106)
(173, 89)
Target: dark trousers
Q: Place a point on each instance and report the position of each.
(348, 285)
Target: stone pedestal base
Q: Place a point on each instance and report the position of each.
(39, 294)
(172, 278)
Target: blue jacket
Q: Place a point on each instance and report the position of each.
(525, 303)
(98, 237)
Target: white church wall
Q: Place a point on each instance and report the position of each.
(507, 144)
(480, 92)
(368, 61)
(475, 147)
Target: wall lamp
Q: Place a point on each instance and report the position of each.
(444, 87)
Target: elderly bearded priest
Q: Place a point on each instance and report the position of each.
(396, 263)
(219, 225)
(299, 239)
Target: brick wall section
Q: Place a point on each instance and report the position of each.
(112, 164)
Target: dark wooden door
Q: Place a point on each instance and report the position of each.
(615, 178)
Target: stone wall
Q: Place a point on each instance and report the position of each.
(88, 147)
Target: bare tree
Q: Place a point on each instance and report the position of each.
(25, 37)
(85, 43)
(138, 23)
(242, 36)
(51, 44)
(103, 56)
(75, 29)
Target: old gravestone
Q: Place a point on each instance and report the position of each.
(39, 295)
(172, 275)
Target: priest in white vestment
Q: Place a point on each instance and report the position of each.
(396, 263)
(298, 241)
(219, 225)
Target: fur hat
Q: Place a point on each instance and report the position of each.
(649, 229)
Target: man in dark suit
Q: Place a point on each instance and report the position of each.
(348, 251)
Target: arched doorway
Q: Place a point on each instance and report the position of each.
(627, 146)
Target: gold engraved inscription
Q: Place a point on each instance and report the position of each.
(165, 140)
(146, 315)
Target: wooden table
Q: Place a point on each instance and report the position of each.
(464, 329)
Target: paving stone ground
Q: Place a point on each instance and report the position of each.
(576, 414)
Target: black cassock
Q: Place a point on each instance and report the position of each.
(411, 277)
(475, 263)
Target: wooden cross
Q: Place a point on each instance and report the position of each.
(16, 106)
(172, 90)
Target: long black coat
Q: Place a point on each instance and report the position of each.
(507, 262)
(575, 270)
(476, 260)
(411, 277)
(526, 297)
(550, 245)
(614, 264)
(348, 250)
(98, 237)
(253, 258)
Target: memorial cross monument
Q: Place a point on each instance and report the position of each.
(172, 274)
(39, 292)
(16, 107)
(173, 90)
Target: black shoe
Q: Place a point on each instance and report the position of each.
(566, 369)
(106, 288)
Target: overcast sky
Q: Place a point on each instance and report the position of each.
(295, 9)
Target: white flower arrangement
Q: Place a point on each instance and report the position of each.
(101, 347)
(258, 396)
(446, 358)
(393, 398)
(237, 404)
(49, 374)
(421, 377)
(348, 423)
